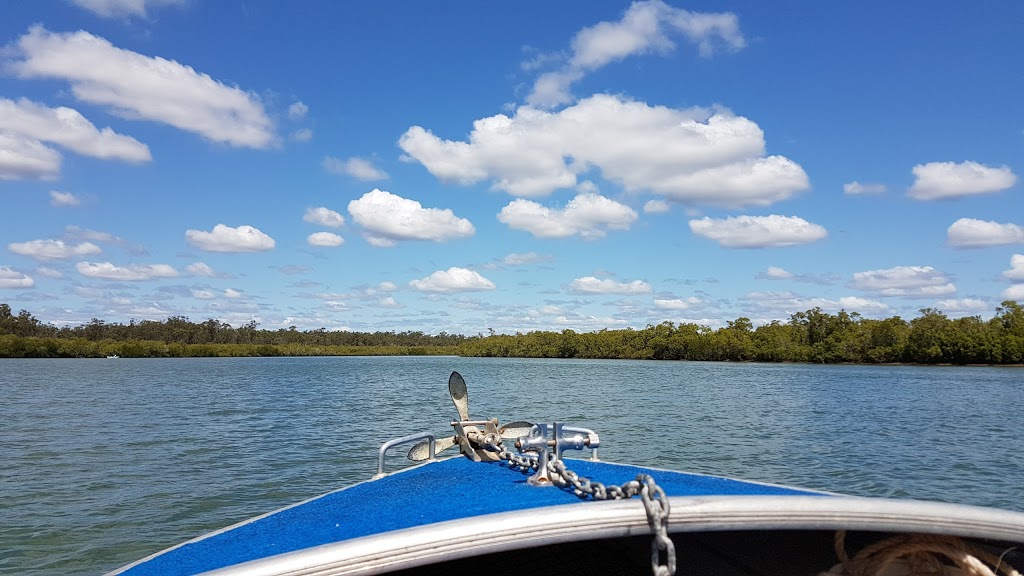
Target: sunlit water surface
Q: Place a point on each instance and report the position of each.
(105, 461)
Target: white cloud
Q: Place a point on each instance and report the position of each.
(679, 303)
(788, 303)
(645, 27)
(22, 158)
(656, 207)
(68, 128)
(758, 231)
(138, 87)
(324, 239)
(302, 135)
(774, 273)
(387, 218)
(1015, 292)
(358, 168)
(232, 293)
(524, 259)
(937, 180)
(10, 278)
(388, 302)
(858, 188)
(53, 249)
(863, 305)
(1016, 271)
(49, 272)
(60, 199)
(123, 8)
(971, 233)
(200, 269)
(108, 271)
(324, 217)
(297, 111)
(962, 305)
(592, 285)
(226, 239)
(904, 281)
(203, 294)
(586, 215)
(453, 280)
(691, 155)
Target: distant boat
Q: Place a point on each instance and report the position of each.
(482, 514)
(113, 356)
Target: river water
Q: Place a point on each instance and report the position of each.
(105, 461)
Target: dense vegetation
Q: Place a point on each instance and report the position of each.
(811, 336)
(24, 336)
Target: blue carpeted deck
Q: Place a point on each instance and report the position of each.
(436, 492)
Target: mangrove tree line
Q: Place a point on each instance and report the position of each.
(812, 336)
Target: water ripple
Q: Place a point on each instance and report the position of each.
(105, 462)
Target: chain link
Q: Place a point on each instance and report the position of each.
(653, 497)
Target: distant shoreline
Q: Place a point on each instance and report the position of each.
(811, 337)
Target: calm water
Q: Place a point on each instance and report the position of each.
(105, 461)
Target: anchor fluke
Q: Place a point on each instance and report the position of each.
(515, 430)
(421, 451)
(460, 396)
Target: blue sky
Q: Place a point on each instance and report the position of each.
(468, 166)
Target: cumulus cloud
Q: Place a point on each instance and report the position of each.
(904, 281)
(758, 231)
(232, 293)
(78, 233)
(938, 180)
(358, 168)
(656, 207)
(123, 8)
(647, 26)
(387, 219)
(962, 305)
(60, 199)
(971, 233)
(691, 155)
(453, 280)
(324, 217)
(10, 278)
(514, 259)
(200, 269)
(227, 239)
(23, 158)
(774, 273)
(49, 272)
(387, 302)
(203, 294)
(133, 273)
(586, 215)
(788, 303)
(593, 285)
(297, 111)
(324, 239)
(1015, 292)
(68, 128)
(302, 135)
(679, 303)
(858, 188)
(1016, 271)
(139, 87)
(53, 249)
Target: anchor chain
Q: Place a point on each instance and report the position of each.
(663, 550)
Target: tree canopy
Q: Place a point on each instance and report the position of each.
(813, 336)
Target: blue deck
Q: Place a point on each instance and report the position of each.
(436, 492)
